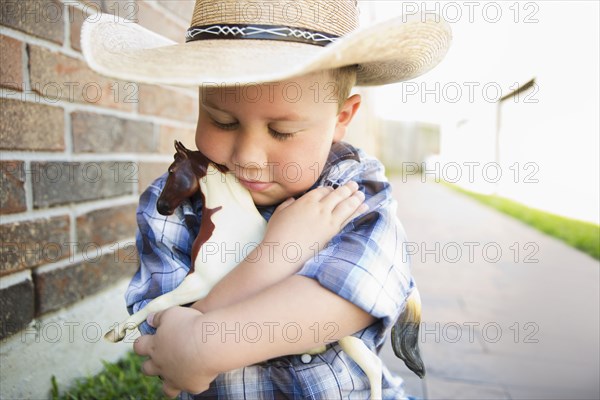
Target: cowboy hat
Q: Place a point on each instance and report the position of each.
(238, 42)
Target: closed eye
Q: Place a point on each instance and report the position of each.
(275, 134)
(280, 135)
(226, 127)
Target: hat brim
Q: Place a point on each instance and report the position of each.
(392, 51)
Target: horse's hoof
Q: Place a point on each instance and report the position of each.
(114, 336)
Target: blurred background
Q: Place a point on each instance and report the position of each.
(519, 85)
(493, 157)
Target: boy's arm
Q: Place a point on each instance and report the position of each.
(290, 317)
(249, 277)
(305, 225)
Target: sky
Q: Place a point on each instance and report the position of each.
(500, 46)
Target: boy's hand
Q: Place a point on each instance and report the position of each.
(311, 221)
(174, 352)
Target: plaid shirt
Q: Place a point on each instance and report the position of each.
(362, 264)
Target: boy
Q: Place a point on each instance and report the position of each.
(246, 339)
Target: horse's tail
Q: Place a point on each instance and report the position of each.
(405, 335)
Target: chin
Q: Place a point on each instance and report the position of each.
(260, 199)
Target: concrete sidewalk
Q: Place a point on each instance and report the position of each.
(508, 312)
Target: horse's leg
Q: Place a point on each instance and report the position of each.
(366, 360)
(192, 288)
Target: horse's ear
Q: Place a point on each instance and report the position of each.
(181, 150)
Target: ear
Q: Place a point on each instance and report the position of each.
(181, 150)
(344, 117)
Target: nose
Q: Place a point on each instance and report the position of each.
(163, 207)
(250, 152)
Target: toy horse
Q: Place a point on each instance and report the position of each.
(225, 200)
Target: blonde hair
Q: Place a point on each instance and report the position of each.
(344, 79)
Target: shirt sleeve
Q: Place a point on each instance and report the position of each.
(364, 263)
(164, 246)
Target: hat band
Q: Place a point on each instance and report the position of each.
(264, 32)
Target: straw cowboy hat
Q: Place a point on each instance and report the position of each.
(237, 42)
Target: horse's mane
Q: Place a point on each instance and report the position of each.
(199, 161)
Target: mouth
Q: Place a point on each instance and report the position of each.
(255, 186)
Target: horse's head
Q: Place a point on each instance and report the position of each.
(183, 181)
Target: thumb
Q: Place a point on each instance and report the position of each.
(154, 319)
(285, 204)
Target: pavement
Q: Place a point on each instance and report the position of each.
(508, 312)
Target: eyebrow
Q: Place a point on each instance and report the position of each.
(289, 117)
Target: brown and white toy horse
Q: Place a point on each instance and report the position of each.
(227, 202)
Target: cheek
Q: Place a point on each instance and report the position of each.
(212, 143)
(299, 169)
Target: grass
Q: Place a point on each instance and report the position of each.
(121, 380)
(584, 236)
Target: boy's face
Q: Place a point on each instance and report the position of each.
(274, 137)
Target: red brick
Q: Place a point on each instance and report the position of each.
(182, 8)
(76, 18)
(148, 172)
(44, 19)
(157, 22)
(93, 5)
(95, 133)
(106, 226)
(61, 287)
(57, 76)
(16, 303)
(56, 183)
(31, 243)
(169, 134)
(127, 9)
(12, 187)
(11, 63)
(31, 126)
(76, 21)
(159, 101)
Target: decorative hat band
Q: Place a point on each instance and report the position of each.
(261, 32)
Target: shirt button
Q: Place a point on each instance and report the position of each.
(306, 358)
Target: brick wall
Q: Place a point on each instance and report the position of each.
(77, 150)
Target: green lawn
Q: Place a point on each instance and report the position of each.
(122, 380)
(584, 236)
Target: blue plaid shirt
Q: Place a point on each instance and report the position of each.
(362, 264)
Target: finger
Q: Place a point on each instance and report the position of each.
(149, 368)
(285, 204)
(317, 194)
(169, 390)
(201, 390)
(142, 345)
(154, 319)
(150, 320)
(348, 207)
(363, 208)
(340, 194)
